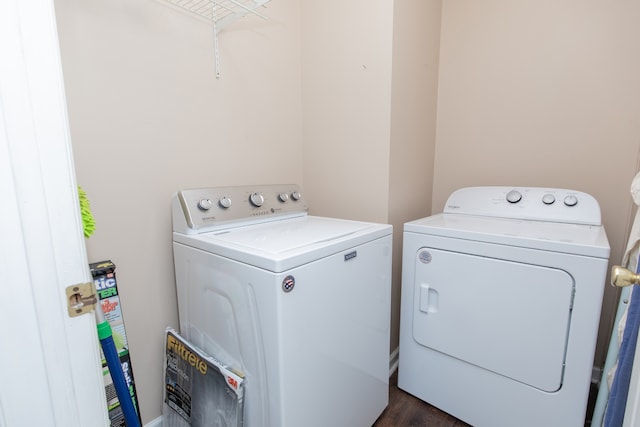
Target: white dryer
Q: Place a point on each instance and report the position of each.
(501, 299)
(298, 304)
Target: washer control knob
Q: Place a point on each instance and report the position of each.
(283, 197)
(225, 202)
(296, 195)
(571, 200)
(205, 204)
(514, 196)
(548, 199)
(256, 199)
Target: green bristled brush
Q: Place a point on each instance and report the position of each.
(88, 223)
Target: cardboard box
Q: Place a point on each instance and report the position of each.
(104, 279)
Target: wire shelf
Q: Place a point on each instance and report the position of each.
(221, 13)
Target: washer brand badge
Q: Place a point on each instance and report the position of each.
(425, 257)
(288, 283)
(350, 255)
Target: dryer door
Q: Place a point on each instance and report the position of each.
(506, 317)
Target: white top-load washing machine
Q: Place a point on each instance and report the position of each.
(501, 299)
(299, 304)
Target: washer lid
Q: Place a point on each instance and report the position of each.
(578, 239)
(281, 245)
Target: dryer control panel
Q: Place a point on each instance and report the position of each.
(201, 210)
(528, 203)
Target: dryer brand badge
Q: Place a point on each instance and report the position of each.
(424, 257)
(288, 283)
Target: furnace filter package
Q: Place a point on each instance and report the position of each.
(104, 280)
(199, 391)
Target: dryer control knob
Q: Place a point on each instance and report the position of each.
(205, 204)
(571, 200)
(225, 202)
(296, 195)
(548, 199)
(256, 199)
(514, 196)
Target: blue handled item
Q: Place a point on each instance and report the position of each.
(115, 369)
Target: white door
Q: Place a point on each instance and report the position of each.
(49, 364)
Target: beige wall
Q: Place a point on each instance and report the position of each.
(148, 117)
(346, 75)
(541, 94)
(416, 41)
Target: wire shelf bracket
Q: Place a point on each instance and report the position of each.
(222, 13)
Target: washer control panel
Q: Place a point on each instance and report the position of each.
(530, 203)
(205, 209)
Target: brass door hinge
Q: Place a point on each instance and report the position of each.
(81, 298)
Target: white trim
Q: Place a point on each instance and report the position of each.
(154, 423)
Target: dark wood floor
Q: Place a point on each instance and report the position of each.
(404, 410)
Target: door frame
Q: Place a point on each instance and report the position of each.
(50, 371)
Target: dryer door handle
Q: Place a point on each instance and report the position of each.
(621, 277)
(429, 299)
